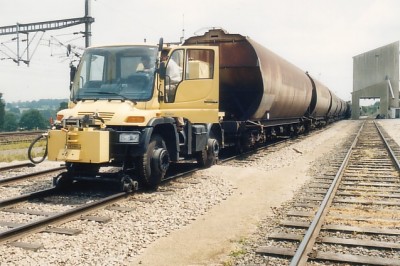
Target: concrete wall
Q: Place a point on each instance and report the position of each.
(371, 72)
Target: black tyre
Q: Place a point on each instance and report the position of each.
(37, 151)
(153, 165)
(207, 157)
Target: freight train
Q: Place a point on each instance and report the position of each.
(140, 108)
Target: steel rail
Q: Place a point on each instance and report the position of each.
(25, 197)
(16, 166)
(21, 133)
(7, 180)
(255, 150)
(301, 255)
(39, 225)
(388, 147)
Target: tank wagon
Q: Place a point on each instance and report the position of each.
(137, 110)
(263, 95)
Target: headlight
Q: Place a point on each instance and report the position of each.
(129, 137)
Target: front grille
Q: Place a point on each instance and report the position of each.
(107, 116)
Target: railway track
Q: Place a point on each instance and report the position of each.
(17, 230)
(18, 137)
(50, 219)
(16, 166)
(13, 179)
(351, 217)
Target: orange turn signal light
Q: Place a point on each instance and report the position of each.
(134, 119)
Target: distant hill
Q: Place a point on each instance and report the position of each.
(42, 104)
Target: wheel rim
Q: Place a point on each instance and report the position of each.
(214, 147)
(161, 159)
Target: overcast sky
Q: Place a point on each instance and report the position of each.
(319, 36)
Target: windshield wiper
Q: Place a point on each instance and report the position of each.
(117, 94)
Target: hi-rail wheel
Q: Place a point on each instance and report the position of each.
(62, 181)
(128, 185)
(37, 150)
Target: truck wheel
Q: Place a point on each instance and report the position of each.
(153, 165)
(207, 157)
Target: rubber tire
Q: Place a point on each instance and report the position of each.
(150, 175)
(206, 158)
(202, 158)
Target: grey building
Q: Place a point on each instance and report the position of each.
(376, 75)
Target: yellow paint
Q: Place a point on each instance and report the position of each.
(88, 146)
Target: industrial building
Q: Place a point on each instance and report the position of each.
(376, 75)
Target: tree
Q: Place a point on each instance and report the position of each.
(10, 122)
(2, 111)
(15, 110)
(48, 114)
(32, 119)
(63, 105)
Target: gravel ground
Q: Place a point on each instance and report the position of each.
(215, 217)
(29, 185)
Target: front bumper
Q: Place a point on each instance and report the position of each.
(84, 146)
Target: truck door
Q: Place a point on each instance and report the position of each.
(191, 85)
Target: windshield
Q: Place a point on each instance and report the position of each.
(123, 72)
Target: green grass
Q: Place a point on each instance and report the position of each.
(13, 157)
(237, 253)
(19, 151)
(14, 146)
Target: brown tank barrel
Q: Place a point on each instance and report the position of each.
(336, 105)
(321, 99)
(255, 83)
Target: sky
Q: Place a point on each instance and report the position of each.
(318, 36)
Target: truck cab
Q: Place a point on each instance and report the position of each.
(139, 108)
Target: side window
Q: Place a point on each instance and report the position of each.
(175, 67)
(92, 73)
(174, 73)
(199, 64)
(83, 77)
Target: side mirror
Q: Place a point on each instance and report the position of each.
(160, 44)
(72, 73)
(162, 70)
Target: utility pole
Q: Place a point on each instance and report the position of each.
(88, 28)
(44, 26)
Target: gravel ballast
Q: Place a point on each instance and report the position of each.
(210, 218)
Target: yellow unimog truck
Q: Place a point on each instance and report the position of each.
(133, 109)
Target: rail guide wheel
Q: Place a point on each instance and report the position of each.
(62, 180)
(128, 185)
